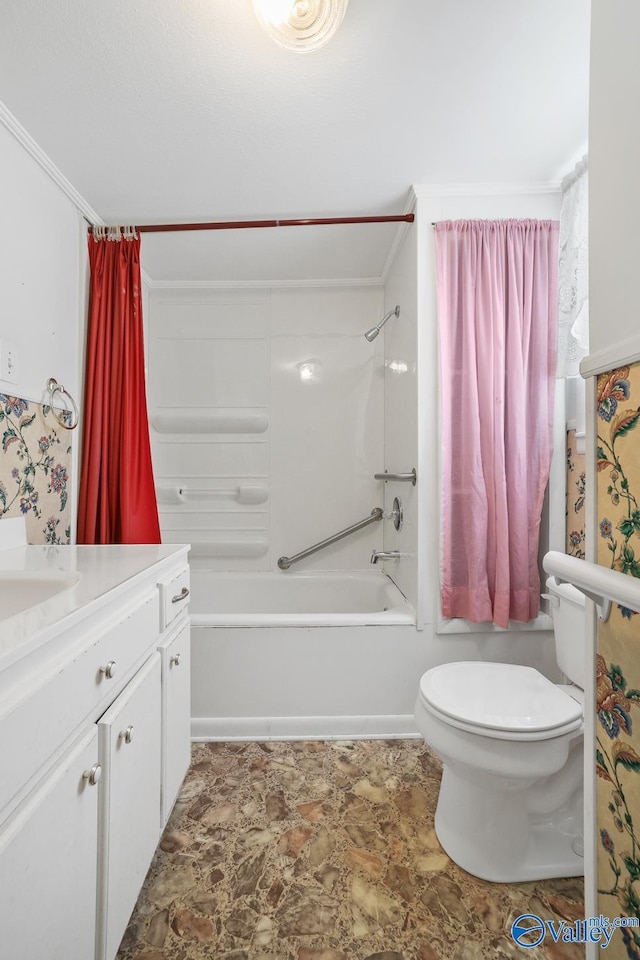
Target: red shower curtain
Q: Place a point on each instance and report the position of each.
(117, 492)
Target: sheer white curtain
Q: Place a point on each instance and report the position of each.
(573, 275)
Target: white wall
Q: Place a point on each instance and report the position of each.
(314, 444)
(43, 266)
(614, 331)
(614, 185)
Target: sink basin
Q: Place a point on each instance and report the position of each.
(20, 591)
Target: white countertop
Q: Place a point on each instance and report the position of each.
(105, 571)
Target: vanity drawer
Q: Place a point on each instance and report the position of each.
(174, 596)
(35, 721)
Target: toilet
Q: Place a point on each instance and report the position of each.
(510, 806)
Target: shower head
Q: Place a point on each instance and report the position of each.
(373, 333)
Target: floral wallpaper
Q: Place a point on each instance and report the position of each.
(35, 465)
(618, 657)
(575, 540)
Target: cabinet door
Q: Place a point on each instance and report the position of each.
(130, 744)
(176, 715)
(48, 864)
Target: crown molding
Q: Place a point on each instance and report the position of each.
(25, 139)
(261, 284)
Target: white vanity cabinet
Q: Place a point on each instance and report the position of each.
(175, 651)
(48, 864)
(130, 754)
(94, 744)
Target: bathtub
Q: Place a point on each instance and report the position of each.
(329, 599)
(302, 655)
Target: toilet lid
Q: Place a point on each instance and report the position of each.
(498, 696)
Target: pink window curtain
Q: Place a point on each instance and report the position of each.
(497, 318)
(117, 492)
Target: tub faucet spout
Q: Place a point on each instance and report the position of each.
(384, 555)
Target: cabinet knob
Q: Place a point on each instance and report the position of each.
(175, 660)
(127, 735)
(93, 775)
(109, 670)
(181, 596)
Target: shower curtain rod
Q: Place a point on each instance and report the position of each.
(244, 224)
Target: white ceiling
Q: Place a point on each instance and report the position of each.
(184, 110)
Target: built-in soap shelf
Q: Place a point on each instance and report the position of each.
(217, 533)
(176, 494)
(179, 422)
(222, 547)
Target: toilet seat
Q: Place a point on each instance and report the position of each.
(499, 700)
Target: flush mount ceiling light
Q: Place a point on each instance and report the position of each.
(300, 25)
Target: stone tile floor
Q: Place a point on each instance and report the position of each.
(324, 851)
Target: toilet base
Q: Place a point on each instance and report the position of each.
(494, 836)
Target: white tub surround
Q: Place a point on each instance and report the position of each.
(94, 737)
(401, 440)
(255, 394)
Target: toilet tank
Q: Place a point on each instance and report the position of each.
(569, 625)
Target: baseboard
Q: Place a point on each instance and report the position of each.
(401, 727)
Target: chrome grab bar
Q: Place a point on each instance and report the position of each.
(411, 477)
(285, 562)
